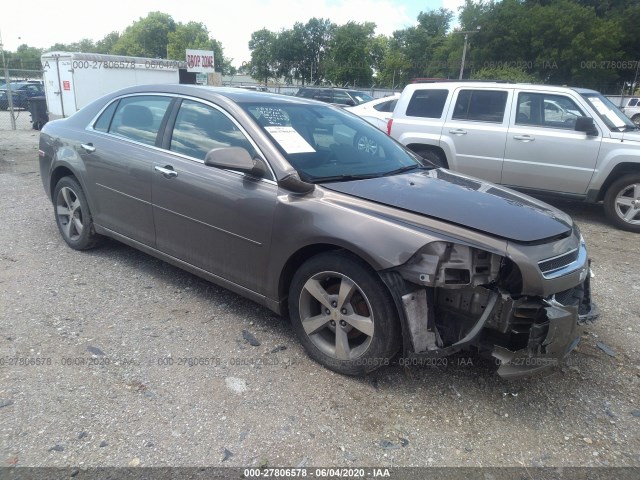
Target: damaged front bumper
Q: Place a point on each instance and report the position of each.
(527, 335)
(550, 342)
(554, 338)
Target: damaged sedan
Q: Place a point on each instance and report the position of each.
(310, 211)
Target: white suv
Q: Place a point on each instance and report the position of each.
(542, 139)
(632, 110)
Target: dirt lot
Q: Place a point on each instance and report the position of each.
(113, 328)
(22, 117)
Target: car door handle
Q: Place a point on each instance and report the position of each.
(524, 138)
(458, 131)
(167, 171)
(88, 147)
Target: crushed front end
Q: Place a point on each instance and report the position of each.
(522, 307)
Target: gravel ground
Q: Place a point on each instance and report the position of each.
(116, 328)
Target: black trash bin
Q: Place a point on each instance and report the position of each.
(38, 111)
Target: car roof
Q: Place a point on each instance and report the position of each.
(21, 83)
(237, 95)
(496, 83)
(333, 88)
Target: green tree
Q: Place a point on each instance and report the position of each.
(192, 35)
(555, 41)
(510, 74)
(263, 65)
(107, 44)
(147, 37)
(350, 60)
(317, 39)
(290, 55)
(395, 69)
(418, 45)
(85, 45)
(26, 57)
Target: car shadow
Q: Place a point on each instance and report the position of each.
(179, 280)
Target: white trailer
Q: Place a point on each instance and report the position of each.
(72, 80)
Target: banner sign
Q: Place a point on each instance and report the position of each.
(200, 61)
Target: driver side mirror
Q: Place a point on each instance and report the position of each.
(235, 158)
(586, 125)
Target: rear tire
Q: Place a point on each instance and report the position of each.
(636, 119)
(343, 314)
(73, 216)
(622, 203)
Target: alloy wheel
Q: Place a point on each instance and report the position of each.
(336, 315)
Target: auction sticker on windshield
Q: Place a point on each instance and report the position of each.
(290, 140)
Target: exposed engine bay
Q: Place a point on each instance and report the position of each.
(456, 297)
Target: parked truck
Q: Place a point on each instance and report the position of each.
(72, 79)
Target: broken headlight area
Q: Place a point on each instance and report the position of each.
(454, 297)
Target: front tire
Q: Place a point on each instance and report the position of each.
(73, 216)
(622, 203)
(343, 314)
(636, 119)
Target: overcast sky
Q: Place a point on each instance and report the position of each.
(41, 24)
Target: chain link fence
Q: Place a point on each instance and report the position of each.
(14, 111)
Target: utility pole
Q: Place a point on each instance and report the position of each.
(464, 50)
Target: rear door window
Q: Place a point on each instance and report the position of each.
(103, 122)
(427, 103)
(480, 105)
(139, 118)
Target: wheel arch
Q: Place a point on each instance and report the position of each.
(57, 174)
(418, 147)
(302, 255)
(618, 171)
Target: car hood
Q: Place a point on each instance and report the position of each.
(465, 201)
(631, 136)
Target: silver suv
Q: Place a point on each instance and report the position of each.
(632, 110)
(569, 142)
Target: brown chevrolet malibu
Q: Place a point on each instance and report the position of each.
(312, 212)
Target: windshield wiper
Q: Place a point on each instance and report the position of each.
(404, 169)
(343, 178)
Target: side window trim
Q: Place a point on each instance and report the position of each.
(545, 96)
(139, 129)
(506, 112)
(170, 116)
(168, 123)
(115, 104)
(167, 134)
(416, 108)
(117, 101)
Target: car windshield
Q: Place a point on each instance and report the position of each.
(361, 97)
(609, 113)
(14, 86)
(327, 144)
